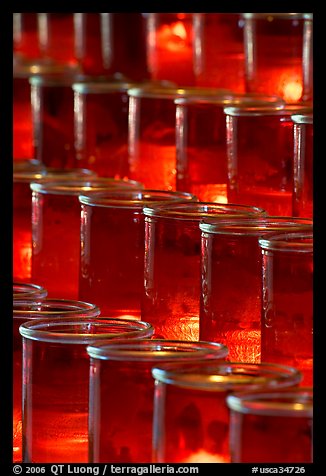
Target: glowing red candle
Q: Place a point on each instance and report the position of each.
(191, 418)
(171, 294)
(113, 245)
(56, 382)
(170, 47)
(25, 36)
(122, 391)
(231, 281)
(287, 300)
(278, 54)
(303, 192)
(272, 426)
(219, 52)
(260, 151)
(24, 311)
(56, 213)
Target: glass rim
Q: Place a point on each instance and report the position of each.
(255, 225)
(98, 87)
(53, 307)
(157, 350)
(209, 376)
(288, 241)
(27, 69)
(249, 99)
(43, 330)
(248, 110)
(172, 211)
(124, 199)
(307, 118)
(289, 16)
(45, 174)
(28, 290)
(81, 185)
(264, 402)
(178, 91)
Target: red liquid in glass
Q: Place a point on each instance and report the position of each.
(58, 37)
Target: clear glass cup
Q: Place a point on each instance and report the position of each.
(191, 418)
(279, 55)
(24, 173)
(56, 214)
(171, 296)
(201, 142)
(56, 383)
(303, 178)
(152, 132)
(25, 310)
(113, 246)
(122, 391)
(170, 48)
(287, 300)
(260, 152)
(218, 50)
(272, 426)
(28, 291)
(231, 281)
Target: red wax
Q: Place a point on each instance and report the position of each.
(279, 55)
(170, 47)
(231, 283)
(219, 52)
(261, 156)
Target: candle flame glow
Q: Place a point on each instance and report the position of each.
(203, 456)
(173, 36)
(292, 91)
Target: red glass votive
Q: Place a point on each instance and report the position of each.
(23, 134)
(231, 281)
(23, 311)
(56, 214)
(112, 247)
(278, 54)
(287, 300)
(170, 48)
(260, 149)
(122, 391)
(272, 426)
(25, 36)
(171, 293)
(26, 172)
(28, 291)
(56, 383)
(191, 418)
(152, 133)
(201, 142)
(57, 38)
(219, 52)
(303, 193)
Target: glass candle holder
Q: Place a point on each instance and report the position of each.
(171, 295)
(23, 133)
(24, 173)
(152, 132)
(170, 49)
(56, 34)
(278, 54)
(191, 418)
(55, 214)
(201, 142)
(27, 310)
(122, 391)
(303, 165)
(287, 300)
(260, 150)
(218, 50)
(272, 426)
(25, 36)
(112, 247)
(231, 281)
(56, 383)
(28, 291)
